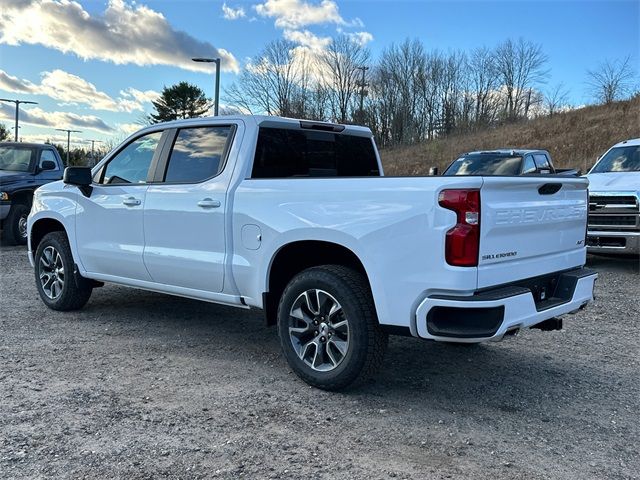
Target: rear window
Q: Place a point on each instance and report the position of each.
(485, 164)
(283, 153)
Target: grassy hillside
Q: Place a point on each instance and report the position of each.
(575, 139)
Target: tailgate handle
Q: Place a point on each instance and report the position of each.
(549, 188)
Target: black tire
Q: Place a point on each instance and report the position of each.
(14, 227)
(74, 292)
(365, 341)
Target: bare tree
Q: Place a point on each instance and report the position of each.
(484, 77)
(611, 81)
(340, 64)
(272, 82)
(522, 66)
(556, 99)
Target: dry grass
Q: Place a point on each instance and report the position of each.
(575, 139)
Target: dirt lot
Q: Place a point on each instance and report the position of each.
(141, 385)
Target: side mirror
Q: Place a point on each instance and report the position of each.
(433, 171)
(80, 177)
(47, 165)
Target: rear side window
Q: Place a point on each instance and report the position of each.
(283, 153)
(197, 154)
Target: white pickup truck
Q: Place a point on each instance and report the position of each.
(614, 201)
(295, 218)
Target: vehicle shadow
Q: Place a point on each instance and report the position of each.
(614, 263)
(516, 375)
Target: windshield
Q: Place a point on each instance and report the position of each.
(485, 164)
(15, 159)
(620, 159)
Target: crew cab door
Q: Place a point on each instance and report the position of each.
(184, 214)
(109, 226)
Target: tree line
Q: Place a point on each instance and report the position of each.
(410, 94)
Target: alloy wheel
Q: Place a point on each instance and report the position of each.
(51, 272)
(319, 330)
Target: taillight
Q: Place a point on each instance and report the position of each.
(462, 241)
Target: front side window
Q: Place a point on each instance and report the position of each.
(620, 159)
(131, 165)
(283, 153)
(47, 155)
(197, 154)
(529, 166)
(15, 159)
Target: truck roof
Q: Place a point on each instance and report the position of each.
(633, 142)
(26, 145)
(266, 120)
(508, 151)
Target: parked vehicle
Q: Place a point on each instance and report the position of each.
(505, 162)
(295, 218)
(23, 168)
(614, 200)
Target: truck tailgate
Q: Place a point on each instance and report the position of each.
(531, 226)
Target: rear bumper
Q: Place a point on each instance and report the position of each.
(491, 314)
(627, 243)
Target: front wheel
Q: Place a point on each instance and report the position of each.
(328, 327)
(15, 225)
(54, 272)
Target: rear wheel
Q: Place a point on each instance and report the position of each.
(14, 226)
(54, 273)
(328, 327)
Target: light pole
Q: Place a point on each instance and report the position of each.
(68, 138)
(93, 159)
(17, 102)
(217, 91)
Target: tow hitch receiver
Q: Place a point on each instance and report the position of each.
(549, 325)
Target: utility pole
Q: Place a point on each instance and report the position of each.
(69, 132)
(363, 92)
(17, 102)
(216, 106)
(93, 158)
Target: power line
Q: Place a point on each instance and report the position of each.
(363, 92)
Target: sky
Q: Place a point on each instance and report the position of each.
(95, 66)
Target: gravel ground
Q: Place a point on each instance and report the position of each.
(141, 385)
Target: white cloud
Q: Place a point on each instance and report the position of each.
(70, 88)
(73, 90)
(232, 13)
(40, 118)
(57, 139)
(128, 128)
(124, 34)
(361, 38)
(307, 39)
(293, 14)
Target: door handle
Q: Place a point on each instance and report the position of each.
(131, 202)
(208, 203)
